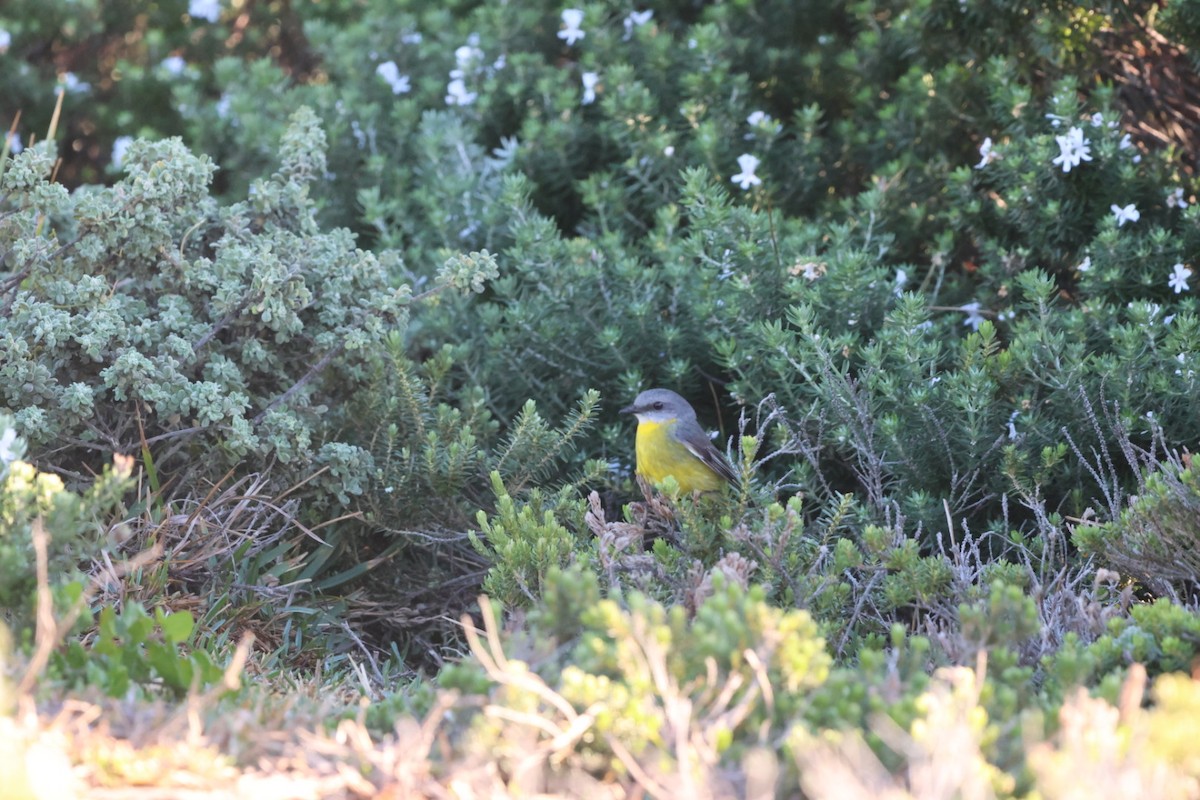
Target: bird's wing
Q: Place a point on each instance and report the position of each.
(692, 436)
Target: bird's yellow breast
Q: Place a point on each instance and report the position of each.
(660, 455)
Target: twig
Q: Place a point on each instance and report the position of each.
(300, 384)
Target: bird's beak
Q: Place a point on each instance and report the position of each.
(628, 410)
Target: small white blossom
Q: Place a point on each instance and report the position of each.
(571, 33)
(1125, 143)
(1055, 120)
(457, 94)
(1012, 427)
(746, 178)
(465, 57)
(1097, 119)
(764, 122)
(412, 38)
(974, 318)
(5, 40)
(224, 104)
(120, 146)
(8, 453)
(636, 19)
(14, 143)
(390, 73)
(204, 9)
(1085, 265)
(901, 282)
(669, 150)
(1127, 214)
(590, 79)
(1175, 199)
(986, 154)
(1073, 149)
(1179, 278)
(1182, 359)
(173, 65)
(70, 81)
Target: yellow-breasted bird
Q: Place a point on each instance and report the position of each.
(671, 442)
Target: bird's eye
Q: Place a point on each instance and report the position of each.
(658, 406)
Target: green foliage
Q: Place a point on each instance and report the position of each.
(147, 314)
(134, 648)
(925, 264)
(525, 540)
(1154, 539)
(73, 527)
(1163, 637)
(1007, 619)
(633, 663)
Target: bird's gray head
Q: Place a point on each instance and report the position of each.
(660, 405)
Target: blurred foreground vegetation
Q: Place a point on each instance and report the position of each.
(314, 322)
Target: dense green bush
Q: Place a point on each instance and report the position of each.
(926, 266)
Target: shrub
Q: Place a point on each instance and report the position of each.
(38, 513)
(142, 318)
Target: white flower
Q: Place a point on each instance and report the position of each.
(669, 150)
(1127, 214)
(1055, 120)
(1097, 119)
(119, 147)
(70, 81)
(1073, 149)
(1085, 265)
(636, 19)
(986, 154)
(763, 121)
(1179, 278)
(457, 94)
(5, 40)
(1182, 359)
(173, 65)
(746, 178)
(392, 77)
(1012, 427)
(1125, 143)
(1175, 199)
(8, 453)
(974, 318)
(571, 17)
(224, 104)
(412, 38)
(590, 79)
(901, 281)
(466, 56)
(205, 9)
(14, 143)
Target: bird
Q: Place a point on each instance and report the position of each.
(671, 442)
